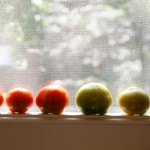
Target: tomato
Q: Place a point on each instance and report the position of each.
(19, 100)
(93, 98)
(134, 101)
(52, 99)
(1, 98)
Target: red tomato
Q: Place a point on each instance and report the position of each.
(19, 100)
(52, 99)
(1, 98)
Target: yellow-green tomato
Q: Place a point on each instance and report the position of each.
(93, 98)
(134, 101)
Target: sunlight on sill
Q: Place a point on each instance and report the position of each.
(75, 117)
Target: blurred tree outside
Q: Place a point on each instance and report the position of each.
(81, 41)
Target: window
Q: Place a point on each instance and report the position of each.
(76, 42)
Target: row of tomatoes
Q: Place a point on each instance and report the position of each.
(92, 98)
(50, 99)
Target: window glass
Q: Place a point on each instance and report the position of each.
(73, 42)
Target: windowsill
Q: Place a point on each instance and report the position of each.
(75, 118)
(72, 116)
(74, 131)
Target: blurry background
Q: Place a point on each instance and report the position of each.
(75, 42)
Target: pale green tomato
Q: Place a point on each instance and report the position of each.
(93, 98)
(134, 101)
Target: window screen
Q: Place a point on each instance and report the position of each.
(73, 42)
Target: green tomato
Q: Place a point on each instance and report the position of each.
(93, 98)
(134, 101)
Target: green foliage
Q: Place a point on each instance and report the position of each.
(24, 19)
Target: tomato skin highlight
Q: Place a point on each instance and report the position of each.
(52, 99)
(19, 100)
(1, 98)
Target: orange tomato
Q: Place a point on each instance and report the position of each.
(1, 98)
(52, 99)
(19, 100)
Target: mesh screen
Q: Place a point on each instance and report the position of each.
(73, 42)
